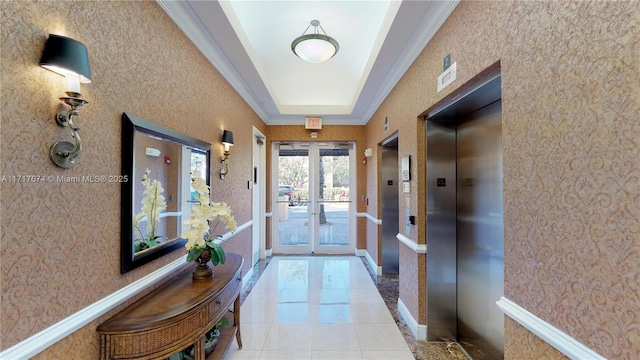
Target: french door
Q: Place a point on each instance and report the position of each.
(312, 206)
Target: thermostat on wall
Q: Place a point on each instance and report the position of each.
(152, 152)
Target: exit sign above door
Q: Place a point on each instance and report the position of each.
(313, 123)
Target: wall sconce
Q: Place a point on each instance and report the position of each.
(227, 141)
(70, 59)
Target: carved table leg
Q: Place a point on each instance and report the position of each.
(236, 320)
(198, 349)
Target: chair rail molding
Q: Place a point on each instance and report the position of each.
(562, 342)
(371, 218)
(37, 343)
(418, 248)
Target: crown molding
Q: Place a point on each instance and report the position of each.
(186, 19)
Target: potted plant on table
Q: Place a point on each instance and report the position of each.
(203, 244)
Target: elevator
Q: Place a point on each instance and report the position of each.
(465, 267)
(390, 207)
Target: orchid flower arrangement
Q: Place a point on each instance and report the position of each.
(153, 203)
(203, 220)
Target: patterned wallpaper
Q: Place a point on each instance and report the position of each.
(519, 341)
(571, 161)
(60, 241)
(571, 105)
(572, 170)
(411, 285)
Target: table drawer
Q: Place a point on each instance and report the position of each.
(221, 304)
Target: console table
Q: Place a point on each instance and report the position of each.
(177, 315)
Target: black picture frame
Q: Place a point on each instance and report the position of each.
(131, 124)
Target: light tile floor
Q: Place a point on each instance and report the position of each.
(317, 308)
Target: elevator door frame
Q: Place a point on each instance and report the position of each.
(390, 188)
(442, 257)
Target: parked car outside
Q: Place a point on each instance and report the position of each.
(286, 190)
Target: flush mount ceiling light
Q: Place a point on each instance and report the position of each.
(315, 47)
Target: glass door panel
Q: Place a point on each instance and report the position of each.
(334, 199)
(313, 211)
(293, 200)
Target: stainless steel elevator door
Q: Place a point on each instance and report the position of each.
(480, 233)
(441, 233)
(390, 209)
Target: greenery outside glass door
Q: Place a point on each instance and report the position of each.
(313, 212)
(291, 208)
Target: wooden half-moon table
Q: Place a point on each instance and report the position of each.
(176, 315)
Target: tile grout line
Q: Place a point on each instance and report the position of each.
(386, 287)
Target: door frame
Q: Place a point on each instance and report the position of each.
(313, 218)
(258, 183)
(275, 208)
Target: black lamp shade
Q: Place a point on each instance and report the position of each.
(64, 56)
(227, 137)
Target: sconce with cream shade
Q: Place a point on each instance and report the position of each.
(227, 141)
(70, 59)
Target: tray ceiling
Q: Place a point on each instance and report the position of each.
(249, 43)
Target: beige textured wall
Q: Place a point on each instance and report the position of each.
(60, 243)
(571, 158)
(373, 192)
(519, 341)
(571, 105)
(411, 286)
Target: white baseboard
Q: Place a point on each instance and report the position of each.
(268, 253)
(247, 277)
(35, 344)
(361, 252)
(373, 264)
(562, 342)
(419, 331)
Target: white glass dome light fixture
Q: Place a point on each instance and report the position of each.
(315, 47)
